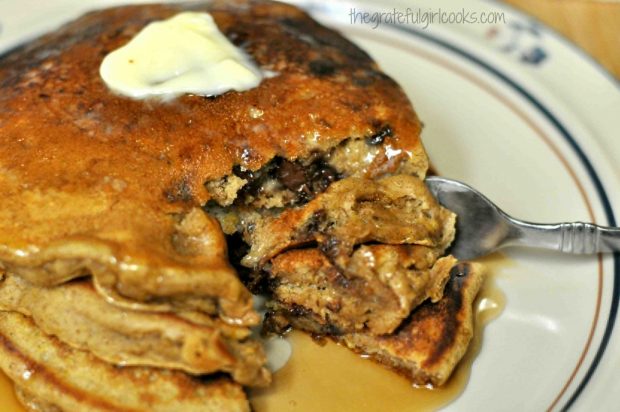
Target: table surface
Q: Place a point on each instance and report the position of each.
(592, 25)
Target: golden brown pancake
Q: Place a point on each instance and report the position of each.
(392, 210)
(373, 293)
(428, 345)
(96, 183)
(191, 342)
(74, 380)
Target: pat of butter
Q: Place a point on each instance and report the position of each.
(184, 54)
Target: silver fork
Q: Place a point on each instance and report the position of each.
(482, 227)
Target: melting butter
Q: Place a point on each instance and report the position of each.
(184, 54)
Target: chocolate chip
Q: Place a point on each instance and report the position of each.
(243, 173)
(315, 221)
(211, 203)
(342, 281)
(298, 311)
(322, 176)
(275, 323)
(332, 330)
(322, 67)
(305, 181)
(330, 247)
(291, 175)
(290, 22)
(462, 269)
(379, 136)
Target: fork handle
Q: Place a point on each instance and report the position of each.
(576, 237)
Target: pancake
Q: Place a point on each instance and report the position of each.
(78, 316)
(373, 293)
(429, 344)
(95, 183)
(51, 373)
(392, 210)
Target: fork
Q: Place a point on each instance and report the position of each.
(482, 227)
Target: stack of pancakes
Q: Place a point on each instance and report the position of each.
(131, 231)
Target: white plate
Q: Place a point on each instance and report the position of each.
(523, 115)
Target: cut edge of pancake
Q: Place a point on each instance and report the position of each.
(428, 345)
(78, 316)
